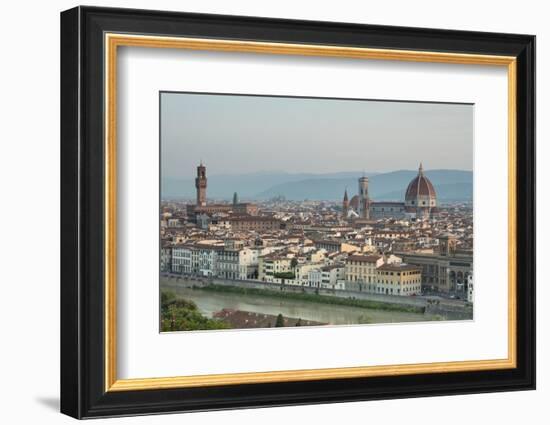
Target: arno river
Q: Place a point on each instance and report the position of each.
(210, 302)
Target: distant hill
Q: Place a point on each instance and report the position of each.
(246, 185)
(449, 185)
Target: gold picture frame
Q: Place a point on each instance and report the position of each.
(114, 41)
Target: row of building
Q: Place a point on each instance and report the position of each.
(308, 268)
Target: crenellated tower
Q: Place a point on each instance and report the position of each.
(200, 184)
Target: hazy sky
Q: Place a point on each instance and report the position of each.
(246, 134)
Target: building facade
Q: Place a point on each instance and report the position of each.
(272, 264)
(238, 263)
(470, 297)
(257, 223)
(360, 272)
(399, 279)
(387, 210)
(333, 276)
(331, 245)
(182, 259)
(447, 271)
(166, 258)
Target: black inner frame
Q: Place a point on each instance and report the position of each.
(82, 208)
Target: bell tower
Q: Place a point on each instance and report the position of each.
(364, 201)
(200, 184)
(345, 205)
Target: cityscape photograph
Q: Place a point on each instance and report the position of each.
(280, 212)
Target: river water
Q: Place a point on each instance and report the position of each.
(210, 302)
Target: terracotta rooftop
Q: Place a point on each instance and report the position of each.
(364, 258)
(399, 268)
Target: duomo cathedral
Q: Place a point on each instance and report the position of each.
(420, 201)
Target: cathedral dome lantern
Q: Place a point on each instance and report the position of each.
(420, 194)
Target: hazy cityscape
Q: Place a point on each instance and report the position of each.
(324, 246)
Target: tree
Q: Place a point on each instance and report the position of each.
(293, 263)
(299, 322)
(284, 275)
(179, 314)
(280, 322)
(167, 298)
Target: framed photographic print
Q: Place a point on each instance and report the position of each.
(261, 212)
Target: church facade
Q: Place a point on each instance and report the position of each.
(420, 201)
